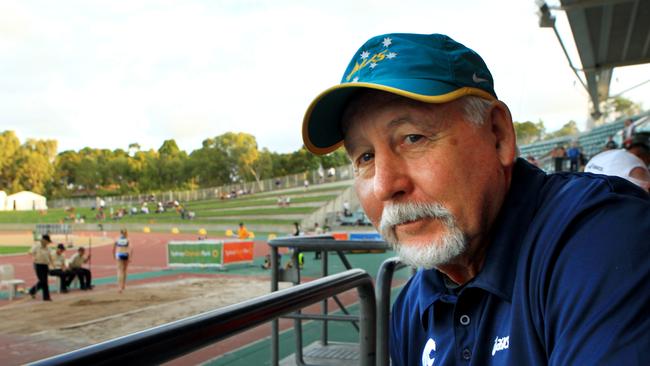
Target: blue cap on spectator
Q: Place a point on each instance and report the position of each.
(429, 68)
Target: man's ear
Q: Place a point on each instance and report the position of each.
(500, 121)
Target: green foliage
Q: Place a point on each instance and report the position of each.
(27, 166)
(224, 159)
(623, 106)
(528, 132)
(569, 129)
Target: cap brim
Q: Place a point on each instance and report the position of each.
(321, 131)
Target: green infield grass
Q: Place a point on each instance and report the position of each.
(13, 249)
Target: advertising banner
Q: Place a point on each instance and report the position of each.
(195, 253)
(373, 235)
(237, 252)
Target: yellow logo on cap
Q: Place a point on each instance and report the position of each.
(372, 61)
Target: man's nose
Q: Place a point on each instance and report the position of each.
(391, 179)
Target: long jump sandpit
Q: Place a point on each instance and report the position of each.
(32, 329)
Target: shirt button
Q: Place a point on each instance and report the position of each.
(467, 354)
(464, 320)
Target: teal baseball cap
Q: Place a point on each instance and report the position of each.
(430, 68)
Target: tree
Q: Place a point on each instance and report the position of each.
(171, 165)
(621, 106)
(241, 154)
(336, 158)
(32, 167)
(9, 146)
(528, 132)
(208, 165)
(569, 129)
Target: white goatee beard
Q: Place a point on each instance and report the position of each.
(427, 255)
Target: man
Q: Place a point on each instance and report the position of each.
(610, 144)
(42, 259)
(242, 232)
(630, 163)
(573, 153)
(60, 268)
(517, 267)
(639, 145)
(75, 264)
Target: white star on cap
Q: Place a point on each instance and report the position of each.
(356, 78)
(387, 42)
(391, 55)
(373, 65)
(365, 54)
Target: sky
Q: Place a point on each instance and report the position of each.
(106, 74)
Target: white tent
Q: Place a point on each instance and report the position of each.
(25, 201)
(3, 199)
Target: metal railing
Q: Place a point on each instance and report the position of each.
(170, 341)
(323, 244)
(382, 295)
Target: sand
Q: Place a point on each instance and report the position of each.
(26, 239)
(81, 318)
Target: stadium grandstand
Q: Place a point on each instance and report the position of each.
(592, 142)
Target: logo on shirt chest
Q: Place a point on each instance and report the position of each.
(427, 354)
(500, 344)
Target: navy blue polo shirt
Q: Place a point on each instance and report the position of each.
(566, 281)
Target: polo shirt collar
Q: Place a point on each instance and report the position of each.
(497, 275)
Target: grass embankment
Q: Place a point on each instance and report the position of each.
(13, 249)
(206, 212)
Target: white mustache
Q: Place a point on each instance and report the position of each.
(399, 213)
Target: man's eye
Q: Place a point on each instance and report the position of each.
(364, 158)
(411, 139)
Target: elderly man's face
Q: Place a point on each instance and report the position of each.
(456, 172)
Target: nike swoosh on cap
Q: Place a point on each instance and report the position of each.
(477, 79)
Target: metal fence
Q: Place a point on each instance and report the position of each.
(169, 341)
(313, 177)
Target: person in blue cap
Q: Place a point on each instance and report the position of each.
(516, 267)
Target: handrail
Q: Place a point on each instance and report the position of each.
(172, 340)
(384, 280)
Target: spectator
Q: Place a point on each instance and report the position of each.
(306, 184)
(242, 232)
(123, 254)
(611, 144)
(639, 145)
(76, 263)
(346, 209)
(267, 262)
(628, 131)
(296, 229)
(558, 154)
(574, 156)
(531, 159)
(60, 268)
(620, 163)
(317, 231)
(630, 163)
(42, 259)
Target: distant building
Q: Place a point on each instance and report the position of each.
(25, 201)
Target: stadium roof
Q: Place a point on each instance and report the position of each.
(607, 34)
